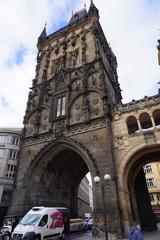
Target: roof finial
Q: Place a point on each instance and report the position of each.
(85, 5)
(72, 13)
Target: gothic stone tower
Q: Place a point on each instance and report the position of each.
(67, 124)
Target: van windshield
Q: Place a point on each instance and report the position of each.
(30, 219)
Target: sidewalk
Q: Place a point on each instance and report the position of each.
(153, 235)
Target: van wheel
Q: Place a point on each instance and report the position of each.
(37, 237)
(63, 236)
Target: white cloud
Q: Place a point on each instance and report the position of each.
(131, 27)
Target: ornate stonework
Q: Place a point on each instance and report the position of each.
(76, 123)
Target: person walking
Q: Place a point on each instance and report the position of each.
(135, 232)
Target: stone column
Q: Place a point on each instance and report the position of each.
(106, 213)
(139, 124)
(152, 120)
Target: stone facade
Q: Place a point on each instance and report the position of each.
(75, 123)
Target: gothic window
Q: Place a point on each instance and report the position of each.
(150, 182)
(147, 169)
(4, 139)
(10, 172)
(151, 197)
(156, 116)
(13, 154)
(15, 140)
(1, 153)
(145, 120)
(76, 57)
(61, 102)
(158, 196)
(132, 125)
(6, 197)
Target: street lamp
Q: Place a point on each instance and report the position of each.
(97, 180)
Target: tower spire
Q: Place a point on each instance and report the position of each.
(93, 10)
(158, 47)
(43, 33)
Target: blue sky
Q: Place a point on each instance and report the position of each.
(130, 26)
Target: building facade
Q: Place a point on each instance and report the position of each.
(75, 123)
(84, 198)
(152, 174)
(10, 140)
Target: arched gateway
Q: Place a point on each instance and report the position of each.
(76, 123)
(53, 178)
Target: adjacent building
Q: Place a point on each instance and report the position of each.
(10, 140)
(85, 202)
(152, 174)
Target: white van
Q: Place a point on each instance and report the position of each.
(41, 223)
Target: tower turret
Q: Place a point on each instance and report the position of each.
(93, 10)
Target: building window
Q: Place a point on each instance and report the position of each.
(132, 125)
(151, 182)
(15, 140)
(4, 139)
(145, 120)
(151, 197)
(6, 197)
(158, 196)
(1, 153)
(147, 169)
(10, 172)
(13, 154)
(61, 106)
(156, 116)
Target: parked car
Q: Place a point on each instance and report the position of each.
(77, 224)
(4, 235)
(9, 224)
(90, 223)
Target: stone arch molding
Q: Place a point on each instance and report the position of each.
(129, 158)
(53, 148)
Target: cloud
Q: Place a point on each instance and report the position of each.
(130, 26)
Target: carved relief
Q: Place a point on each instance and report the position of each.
(93, 81)
(76, 111)
(47, 98)
(77, 85)
(61, 82)
(30, 128)
(96, 105)
(44, 122)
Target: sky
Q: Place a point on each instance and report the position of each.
(131, 27)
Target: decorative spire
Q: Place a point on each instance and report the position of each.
(93, 10)
(43, 34)
(158, 47)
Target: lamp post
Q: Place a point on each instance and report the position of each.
(97, 180)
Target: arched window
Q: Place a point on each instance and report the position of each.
(156, 116)
(145, 120)
(132, 125)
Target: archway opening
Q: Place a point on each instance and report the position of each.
(85, 198)
(141, 188)
(56, 179)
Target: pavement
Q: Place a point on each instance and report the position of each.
(152, 235)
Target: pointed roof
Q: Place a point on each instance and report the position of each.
(93, 10)
(43, 33)
(78, 15)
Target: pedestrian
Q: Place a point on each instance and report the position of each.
(135, 232)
